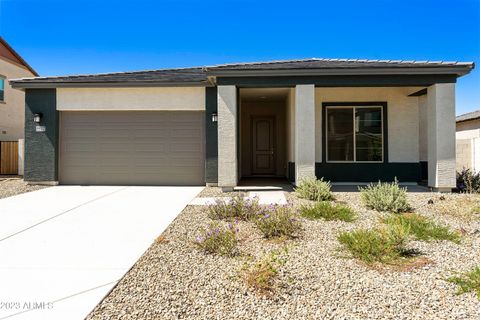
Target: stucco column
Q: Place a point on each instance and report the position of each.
(441, 136)
(304, 132)
(227, 137)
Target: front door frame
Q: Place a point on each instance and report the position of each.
(274, 152)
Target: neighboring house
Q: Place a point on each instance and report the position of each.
(468, 141)
(344, 120)
(12, 104)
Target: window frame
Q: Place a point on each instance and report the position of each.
(2, 77)
(355, 105)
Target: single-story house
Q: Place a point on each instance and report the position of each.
(341, 119)
(468, 141)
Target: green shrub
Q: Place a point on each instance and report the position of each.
(218, 239)
(468, 181)
(233, 208)
(424, 229)
(277, 221)
(384, 245)
(314, 189)
(260, 274)
(385, 196)
(328, 211)
(468, 281)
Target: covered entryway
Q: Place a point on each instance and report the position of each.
(263, 134)
(132, 148)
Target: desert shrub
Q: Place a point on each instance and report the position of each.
(468, 281)
(218, 239)
(383, 245)
(422, 228)
(328, 211)
(278, 220)
(314, 189)
(161, 239)
(237, 207)
(468, 181)
(260, 273)
(385, 196)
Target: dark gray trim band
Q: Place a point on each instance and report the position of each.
(424, 170)
(211, 136)
(434, 70)
(339, 81)
(41, 148)
(364, 172)
(369, 172)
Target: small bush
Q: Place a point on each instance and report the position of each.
(384, 245)
(328, 211)
(237, 207)
(277, 221)
(314, 189)
(161, 239)
(385, 196)
(468, 282)
(260, 274)
(468, 181)
(218, 239)
(422, 228)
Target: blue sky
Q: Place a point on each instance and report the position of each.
(83, 36)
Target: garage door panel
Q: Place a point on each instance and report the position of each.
(77, 133)
(132, 148)
(146, 132)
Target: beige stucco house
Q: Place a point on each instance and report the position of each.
(468, 141)
(12, 101)
(12, 110)
(340, 119)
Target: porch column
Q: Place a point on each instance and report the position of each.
(441, 136)
(304, 132)
(227, 137)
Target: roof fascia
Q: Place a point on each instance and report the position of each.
(457, 70)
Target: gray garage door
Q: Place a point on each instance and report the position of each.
(132, 148)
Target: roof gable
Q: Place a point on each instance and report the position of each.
(7, 52)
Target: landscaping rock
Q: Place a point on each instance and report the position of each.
(174, 280)
(13, 186)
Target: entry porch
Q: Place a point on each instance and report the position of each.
(344, 134)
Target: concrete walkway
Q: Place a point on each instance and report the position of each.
(64, 248)
(264, 197)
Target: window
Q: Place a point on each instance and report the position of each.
(2, 89)
(354, 134)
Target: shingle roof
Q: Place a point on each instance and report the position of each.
(469, 116)
(199, 75)
(319, 63)
(185, 75)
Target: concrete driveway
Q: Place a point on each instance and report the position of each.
(62, 249)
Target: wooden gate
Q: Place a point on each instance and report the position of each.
(8, 157)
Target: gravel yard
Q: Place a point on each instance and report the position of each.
(174, 280)
(12, 186)
(217, 192)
